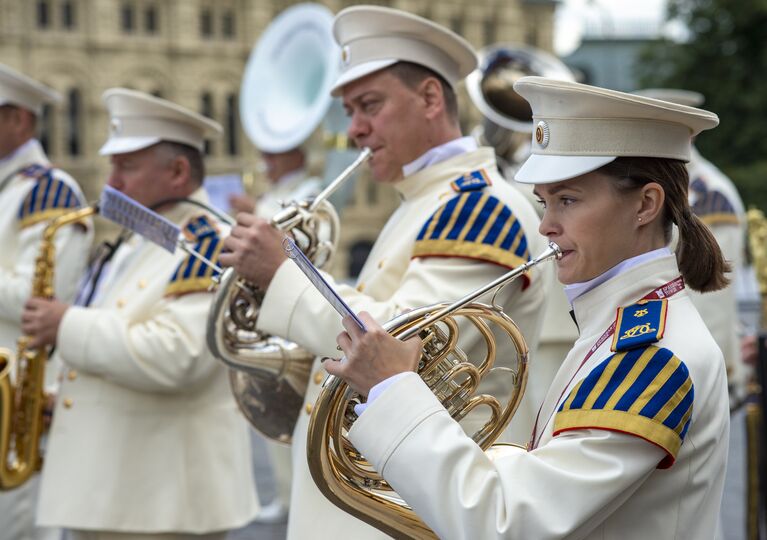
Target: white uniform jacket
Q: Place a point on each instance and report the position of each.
(609, 431)
(32, 193)
(715, 200)
(294, 186)
(146, 435)
(402, 271)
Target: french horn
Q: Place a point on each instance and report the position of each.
(338, 469)
(269, 374)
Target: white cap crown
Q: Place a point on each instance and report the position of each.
(22, 91)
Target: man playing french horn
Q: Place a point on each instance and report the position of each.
(459, 225)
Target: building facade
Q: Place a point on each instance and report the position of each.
(193, 52)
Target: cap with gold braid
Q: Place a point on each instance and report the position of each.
(373, 38)
(138, 120)
(579, 128)
(22, 91)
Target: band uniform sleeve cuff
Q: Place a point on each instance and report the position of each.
(376, 391)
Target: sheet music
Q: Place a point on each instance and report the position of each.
(132, 215)
(311, 272)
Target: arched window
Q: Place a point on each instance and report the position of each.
(206, 23)
(228, 28)
(126, 17)
(45, 128)
(150, 20)
(43, 14)
(206, 109)
(74, 122)
(68, 15)
(232, 139)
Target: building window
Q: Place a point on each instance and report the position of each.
(456, 24)
(126, 18)
(73, 122)
(232, 142)
(156, 93)
(46, 129)
(206, 23)
(43, 14)
(227, 24)
(491, 31)
(206, 109)
(68, 15)
(150, 20)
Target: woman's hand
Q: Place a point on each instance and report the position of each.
(372, 356)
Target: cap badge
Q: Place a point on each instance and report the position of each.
(542, 134)
(115, 126)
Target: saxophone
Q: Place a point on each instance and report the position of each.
(22, 404)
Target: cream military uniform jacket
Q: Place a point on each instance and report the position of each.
(715, 200)
(441, 243)
(294, 186)
(32, 193)
(632, 444)
(146, 435)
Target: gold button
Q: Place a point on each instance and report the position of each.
(319, 377)
(72, 375)
(381, 263)
(67, 403)
(309, 408)
(361, 287)
(120, 302)
(141, 283)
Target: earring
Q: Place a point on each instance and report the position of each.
(640, 220)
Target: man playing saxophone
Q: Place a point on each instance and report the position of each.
(459, 225)
(32, 192)
(147, 441)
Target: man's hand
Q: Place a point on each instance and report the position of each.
(40, 320)
(372, 356)
(254, 250)
(242, 202)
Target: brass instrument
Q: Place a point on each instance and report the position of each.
(345, 477)
(269, 374)
(756, 435)
(22, 404)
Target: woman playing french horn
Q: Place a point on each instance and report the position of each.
(631, 440)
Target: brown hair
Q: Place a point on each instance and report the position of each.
(412, 75)
(700, 260)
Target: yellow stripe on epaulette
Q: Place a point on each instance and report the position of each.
(49, 198)
(192, 274)
(720, 219)
(474, 225)
(646, 392)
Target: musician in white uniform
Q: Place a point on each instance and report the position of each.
(147, 440)
(459, 225)
(632, 437)
(32, 192)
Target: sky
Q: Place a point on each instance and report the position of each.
(575, 18)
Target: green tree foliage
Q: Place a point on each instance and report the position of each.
(725, 58)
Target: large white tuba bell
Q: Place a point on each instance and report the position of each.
(285, 94)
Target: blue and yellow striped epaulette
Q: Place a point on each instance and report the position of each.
(473, 181)
(193, 275)
(646, 392)
(49, 198)
(474, 225)
(712, 206)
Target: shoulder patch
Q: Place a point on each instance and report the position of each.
(49, 198)
(644, 392)
(474, 225)
(639, 324)
(711, 206)
(473, 181)
(193, 275)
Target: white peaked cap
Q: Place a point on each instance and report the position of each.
(579, 128)
(373, 38)
(138, 120)
(22, 91)
(673, 95)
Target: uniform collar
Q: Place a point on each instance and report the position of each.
(448, 169)
(595, 309)
(29, 153)
(440, 153)
(179, 213)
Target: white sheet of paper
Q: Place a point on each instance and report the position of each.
(220, 186)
